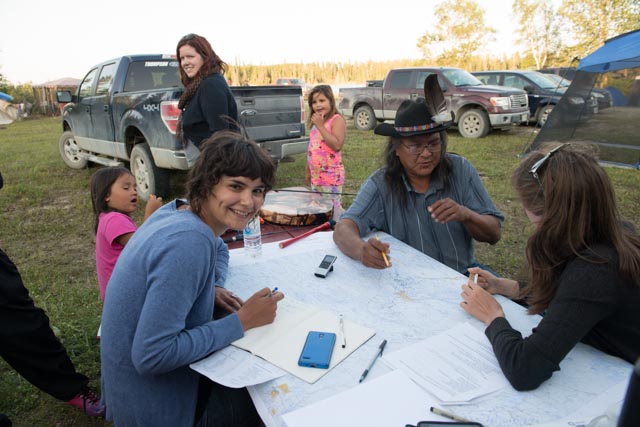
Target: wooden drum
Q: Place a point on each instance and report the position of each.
(297, 207)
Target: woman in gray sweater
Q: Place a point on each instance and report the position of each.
(158, 312)
(584, 270)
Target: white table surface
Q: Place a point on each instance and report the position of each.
(415, 298)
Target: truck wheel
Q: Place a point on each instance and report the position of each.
(150, 179)
(543, 114)
(70, 152)
(364, 119)
(473, 124)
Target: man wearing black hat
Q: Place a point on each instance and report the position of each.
(424, 196)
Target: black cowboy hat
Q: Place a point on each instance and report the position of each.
(422, 116)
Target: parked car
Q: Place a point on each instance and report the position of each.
(565, 75)
(288, 81)
(543, 94)
(126, 109)
(477, 108)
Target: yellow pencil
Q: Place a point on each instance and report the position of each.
(384, 255)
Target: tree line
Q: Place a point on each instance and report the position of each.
(549, 33)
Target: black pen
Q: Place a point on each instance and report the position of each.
(378, 354)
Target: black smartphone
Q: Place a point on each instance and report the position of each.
(317, 350)
(326, 266)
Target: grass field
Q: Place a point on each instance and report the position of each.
(46, 228)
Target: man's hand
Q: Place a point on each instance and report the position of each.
(372, 251)
(446, 210)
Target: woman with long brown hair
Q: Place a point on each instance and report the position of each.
(583, 262)
(207, 103)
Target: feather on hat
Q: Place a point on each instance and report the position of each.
(422, 116)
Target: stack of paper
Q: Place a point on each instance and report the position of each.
(457, 365)
(281, 341)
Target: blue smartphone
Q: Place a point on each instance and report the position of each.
(317, 350)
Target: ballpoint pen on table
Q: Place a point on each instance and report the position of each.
(344, 338)
(449, 415)
(378, 354)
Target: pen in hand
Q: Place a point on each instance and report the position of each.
(384, 255)
(378, 354)
(273, 291)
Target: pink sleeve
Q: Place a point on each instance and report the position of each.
(116, 224)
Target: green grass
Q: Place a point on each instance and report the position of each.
(46, 228)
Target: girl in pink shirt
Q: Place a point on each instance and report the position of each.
(325, 171)
(114, 198)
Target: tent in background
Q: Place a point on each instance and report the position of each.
(8, 112)
(615, 129)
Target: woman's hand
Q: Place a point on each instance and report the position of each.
(260, 309)
(227, 300)
(480, 303)
(495, 285)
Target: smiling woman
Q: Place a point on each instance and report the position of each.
(207, 104)
(160, 300)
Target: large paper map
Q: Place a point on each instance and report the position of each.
(414, 299)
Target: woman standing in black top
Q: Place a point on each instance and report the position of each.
(584, 270)
(207, 103)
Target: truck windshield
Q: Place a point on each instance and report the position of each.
(461, 78)
(152, 74)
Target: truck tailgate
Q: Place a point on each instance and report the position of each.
(270, 113)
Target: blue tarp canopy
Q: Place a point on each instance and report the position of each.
(5, 97)
(611, 71)
(617, 53)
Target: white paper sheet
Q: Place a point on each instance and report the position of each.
(386, 401)
(236, 368)
(281, 341)
(456, 365)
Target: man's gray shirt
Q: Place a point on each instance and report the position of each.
(377, 208)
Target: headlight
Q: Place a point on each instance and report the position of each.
(576, 100)
(503, 102)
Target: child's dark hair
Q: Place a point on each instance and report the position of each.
(101, 183)
(227, 153)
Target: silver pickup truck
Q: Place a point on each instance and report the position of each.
(126, 109)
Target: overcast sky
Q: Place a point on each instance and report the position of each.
(45, 40)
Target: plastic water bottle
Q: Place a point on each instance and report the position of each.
(251, 237)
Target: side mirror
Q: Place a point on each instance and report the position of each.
(64, 96)
(528, 89)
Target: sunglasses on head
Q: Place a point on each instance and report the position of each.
(537, 165)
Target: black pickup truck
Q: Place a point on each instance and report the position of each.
(477, 108)
(126, 109)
